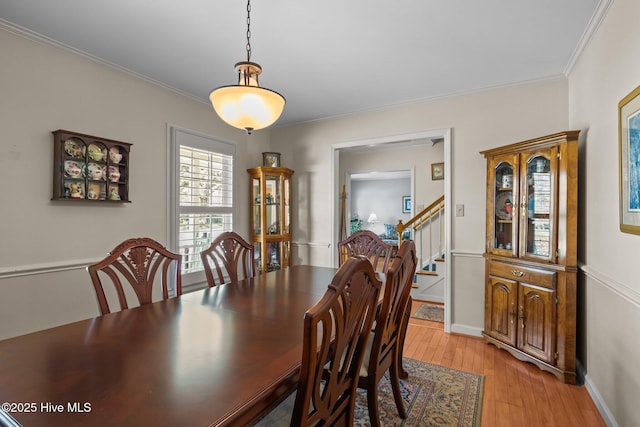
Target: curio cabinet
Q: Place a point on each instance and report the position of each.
(270, 218)
(530, 256)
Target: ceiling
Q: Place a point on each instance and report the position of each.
(327, 58)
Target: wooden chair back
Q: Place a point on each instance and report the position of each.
(368, 244)
(231, 257)
(145, 265)
(336, 330)
(385, 349)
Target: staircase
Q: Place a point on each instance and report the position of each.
(427, 230)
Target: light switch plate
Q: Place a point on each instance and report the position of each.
(459, 210)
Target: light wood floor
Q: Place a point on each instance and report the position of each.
(516, 393)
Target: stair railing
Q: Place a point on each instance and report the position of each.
(423, 219)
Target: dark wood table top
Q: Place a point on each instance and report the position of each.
(212, 357)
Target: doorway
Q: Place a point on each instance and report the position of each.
(394, 143)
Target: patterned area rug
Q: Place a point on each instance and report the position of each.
(433, 312)
(433, 395)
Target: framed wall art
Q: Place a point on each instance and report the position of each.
(271, 159)
(629, 153)
(406, 204)
(437, 171)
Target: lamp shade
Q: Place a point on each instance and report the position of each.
(373, 218)
(247, 105)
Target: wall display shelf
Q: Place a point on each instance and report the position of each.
(90, 168)
(531, 251)
(270, 218)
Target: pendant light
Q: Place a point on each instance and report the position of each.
(247, 105)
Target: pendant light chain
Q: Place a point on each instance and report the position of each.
(248, 31)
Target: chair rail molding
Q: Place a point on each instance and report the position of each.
(624, 291)
(466, 253)
(43, 268)
(311, 244)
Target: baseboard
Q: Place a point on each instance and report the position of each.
(435, 300)
(605, 413)
(466, 330)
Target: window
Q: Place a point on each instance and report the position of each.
(202, 197)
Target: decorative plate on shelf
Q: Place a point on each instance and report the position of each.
(501, 205)
(74, 148)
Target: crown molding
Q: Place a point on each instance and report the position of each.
(590, 30)
(39, 38)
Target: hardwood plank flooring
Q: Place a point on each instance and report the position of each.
(516, 394)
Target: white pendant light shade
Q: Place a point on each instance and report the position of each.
(246, 105)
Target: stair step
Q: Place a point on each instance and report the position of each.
(439, 260)
(427, 273)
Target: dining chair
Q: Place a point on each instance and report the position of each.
(229, 254)
(384, 349)
(143, 263)
(336, 330)
(368, 244)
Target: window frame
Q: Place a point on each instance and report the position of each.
(178, 136)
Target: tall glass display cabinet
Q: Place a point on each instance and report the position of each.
(531, 251)
(270, 217)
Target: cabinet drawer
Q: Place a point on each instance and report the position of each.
(535, 276)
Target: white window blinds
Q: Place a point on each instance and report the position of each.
(204, 198)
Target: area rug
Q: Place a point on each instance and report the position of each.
(433, 396)
(432, 312)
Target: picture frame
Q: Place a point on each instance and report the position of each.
(406, 204)
(271, 159)
(629, 158)
(437, 171)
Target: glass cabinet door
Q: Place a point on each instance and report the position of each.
(286, 200)
(505, 206)
(537, 234)
(272, 204)
(255, 206)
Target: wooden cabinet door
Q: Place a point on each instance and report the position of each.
(536, 321)
(500, 309)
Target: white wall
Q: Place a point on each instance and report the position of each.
(45, 245)
(609, 321)
(479, 121)
(384, 197)
(417, 158)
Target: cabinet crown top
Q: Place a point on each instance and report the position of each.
(542, 141)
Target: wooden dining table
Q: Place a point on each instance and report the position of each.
(214, 357)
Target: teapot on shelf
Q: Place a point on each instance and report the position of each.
(114, 173)
(96, 172)
(114, 154)
(95, 152)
